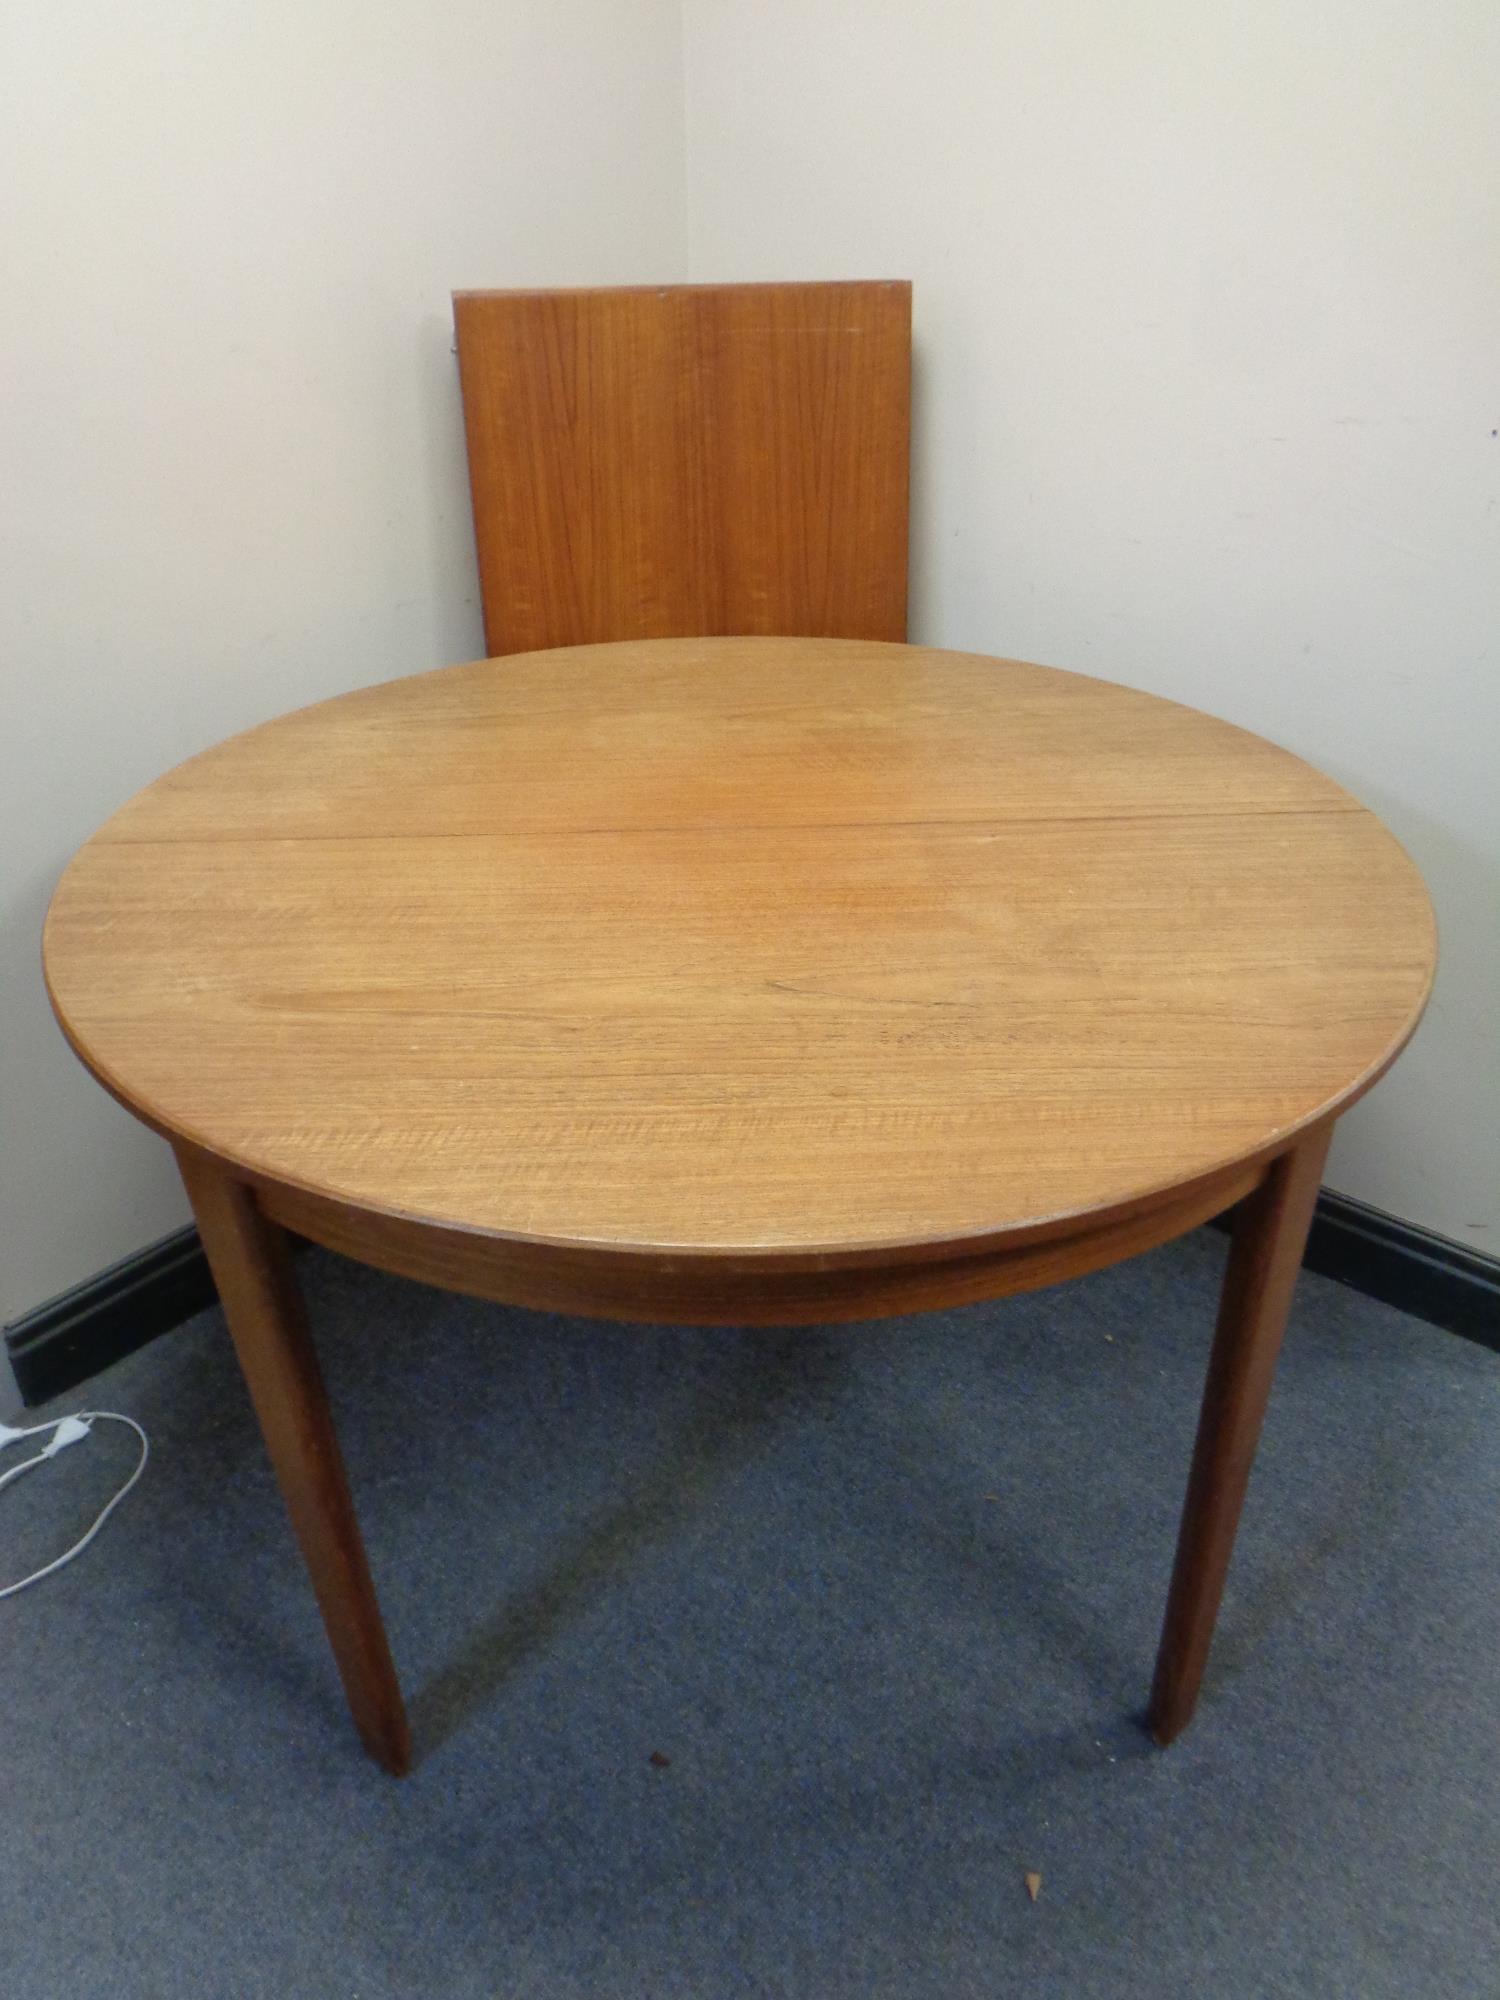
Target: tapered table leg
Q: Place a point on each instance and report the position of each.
(1270, 1234)
(251, 1263)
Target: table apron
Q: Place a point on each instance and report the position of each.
(728, 1291)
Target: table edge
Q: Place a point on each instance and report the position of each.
(280, 1194)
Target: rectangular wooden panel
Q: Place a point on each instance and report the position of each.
(685, 460)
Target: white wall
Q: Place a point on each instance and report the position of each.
(231, 466)
(1208, 318)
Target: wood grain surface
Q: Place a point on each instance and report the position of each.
(665, 460)
(810, 952)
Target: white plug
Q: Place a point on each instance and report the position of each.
(68, 1431)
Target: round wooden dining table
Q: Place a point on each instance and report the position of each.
(741, 981)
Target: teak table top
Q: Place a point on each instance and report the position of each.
(795, 950)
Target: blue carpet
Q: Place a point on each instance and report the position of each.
(885, 1597)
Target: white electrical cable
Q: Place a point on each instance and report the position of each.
(66, 1431)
